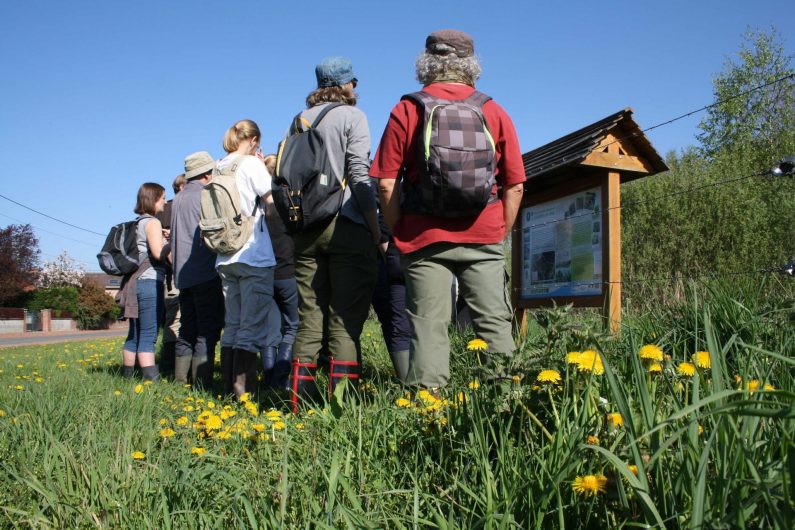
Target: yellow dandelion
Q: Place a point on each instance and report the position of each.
(213, 423)
(2, 413)
(147, 383)
(310, 412)
(655, 368)
(700, 429)
(251, 408)
(427, 396)
(461, 398)
(651, 352)
(188, 408)
(210, 405)
(299, 426)
(702, 360)
(474, 385)
(615, 419)
(138, 455)
(591, 361)
(402, 402)
(686, 369)
(167, 433)
(633, 468)
(245, 397)
(198, 451)
(573, 357)
(477, 345)
(549, 376)
(19, 387)
(769, 387)
(39, 380)
(516, 379)
(139, 388)
(163, 421)
(592, 440)
(273, 414)
(117, 392)
(589, 485)
(183, 421)
(226, 414)
(753, 385)
(225, 434)
(279, 426)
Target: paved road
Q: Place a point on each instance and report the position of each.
(35, 337)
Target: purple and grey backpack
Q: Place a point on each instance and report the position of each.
(456, 158)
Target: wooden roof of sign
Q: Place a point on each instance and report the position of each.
(616, 143)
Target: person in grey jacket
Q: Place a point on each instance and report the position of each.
(335, 263)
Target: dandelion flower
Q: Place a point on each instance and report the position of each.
(686, 369)
(117, 392)
(633, 468)
(2, 413)
(700, 429)
(769, 387)
(615, 419)
(573, 357)
(477, 345)
(279, 426)
(213, 423)
(589, 485)
(655, 368)
(592, 440)
(139, 389)
(752, 385)
(147, 383)
(167, 432)
(258, 427)
(651, 352)
(245, 397)
(198, 451)
(549, 376)
(702, 360)
(138, 455)
(299, 426)
(183, 421)
(19, 387)
(591, 361)
(273, 414)
(474, 385)
(402, 402)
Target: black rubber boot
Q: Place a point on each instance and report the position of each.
(182, 368)
(339, 370)
(268, 360)
(151, 373)
(244, 369)
(303, 384)
(227, 377)
(127, 371)
(280, 377)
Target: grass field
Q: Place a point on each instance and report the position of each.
(592, 431)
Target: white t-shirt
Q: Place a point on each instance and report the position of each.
(253, 181)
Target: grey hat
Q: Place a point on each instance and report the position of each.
(198, 163)
(334, 71)
(447, 41)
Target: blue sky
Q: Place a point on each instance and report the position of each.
(100, 96)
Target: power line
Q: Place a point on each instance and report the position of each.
(93, 245)
(51, 217)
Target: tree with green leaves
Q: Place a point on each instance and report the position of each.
(754, 100)
(19, 261)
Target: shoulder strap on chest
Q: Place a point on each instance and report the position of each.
(301, 124)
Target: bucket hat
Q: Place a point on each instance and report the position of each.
(198, 163)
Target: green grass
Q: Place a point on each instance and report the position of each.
(709, 454)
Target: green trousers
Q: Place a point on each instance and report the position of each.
(336, 270)
(483, 282)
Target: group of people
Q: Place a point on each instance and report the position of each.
(294, 299)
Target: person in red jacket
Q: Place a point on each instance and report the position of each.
(435, 248)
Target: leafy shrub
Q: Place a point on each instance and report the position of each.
(95, 307)
(59, 299)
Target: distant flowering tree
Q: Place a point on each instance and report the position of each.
(62, 271)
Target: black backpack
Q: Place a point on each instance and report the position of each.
(305, 190)
(455, 156)
(119, 255)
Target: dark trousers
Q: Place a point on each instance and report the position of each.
(285, 292)
(389, 302)
(202, 318)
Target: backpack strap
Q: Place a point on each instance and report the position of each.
(478, 99)
(301, 124)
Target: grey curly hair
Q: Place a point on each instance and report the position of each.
(432, 68)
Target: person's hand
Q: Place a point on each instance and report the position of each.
(166, 233)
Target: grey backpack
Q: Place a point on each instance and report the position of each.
(456, 158)
(223, 225)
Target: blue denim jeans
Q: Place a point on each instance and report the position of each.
(143, 330)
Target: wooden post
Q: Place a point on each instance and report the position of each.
(613, 276)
